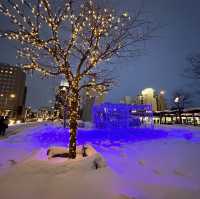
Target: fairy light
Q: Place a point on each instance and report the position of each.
(87, 33)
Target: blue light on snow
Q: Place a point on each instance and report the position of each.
(52, 136)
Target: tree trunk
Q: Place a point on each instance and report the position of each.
(180, 117)
(73, 117)
(65, 116)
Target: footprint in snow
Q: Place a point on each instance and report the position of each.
(122, 196)
(123, 155)
(157, 172)
(178, 173)
(12, 162)
(141, 162)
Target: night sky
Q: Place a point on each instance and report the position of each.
(160, 67)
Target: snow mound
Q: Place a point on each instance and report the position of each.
(41, 177)
(43, 163)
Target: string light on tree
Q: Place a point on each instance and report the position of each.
(72, 39)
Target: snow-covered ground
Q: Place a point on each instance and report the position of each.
(159, 163)
(17, 128)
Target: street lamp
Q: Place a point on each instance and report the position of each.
(162, 92)
(178, 103)
(12, 95)
(176, 100)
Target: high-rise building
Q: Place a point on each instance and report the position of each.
(87, 102)
(88, 99)
(12, 91)
(61, 94)
(161, 101)
(126, 100)
(150, 96)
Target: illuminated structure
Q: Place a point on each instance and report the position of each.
(109, 115)
(12, 91)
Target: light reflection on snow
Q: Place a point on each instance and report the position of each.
(52, 135)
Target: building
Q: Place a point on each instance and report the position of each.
(126, 100)
(12, 91)
(87, 102)
(161, 101)
(60, 99)
(188, 116)
(150, 96)
(89, 98)
(45, 113)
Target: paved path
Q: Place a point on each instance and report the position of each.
(17, 128)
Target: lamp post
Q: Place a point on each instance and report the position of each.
(161, 104)
(177, 102)
(159, 97)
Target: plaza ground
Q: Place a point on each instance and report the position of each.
(159, 163)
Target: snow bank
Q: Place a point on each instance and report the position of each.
(49, 164)
(61, 178)
(161, 163)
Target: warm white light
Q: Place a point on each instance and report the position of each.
(147, 91)
(64, 83)
(64, 89)
(125, 14)
(12, 95)
(40, 120)
(162, 92)
(11, 122)
(176, 100)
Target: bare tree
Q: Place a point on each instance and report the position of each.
(194, 69)
(181, 99)
(73, 38)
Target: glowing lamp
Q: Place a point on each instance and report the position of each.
(12, 95)
(162, 92)
(176, 100)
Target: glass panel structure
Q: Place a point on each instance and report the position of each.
(108, 115)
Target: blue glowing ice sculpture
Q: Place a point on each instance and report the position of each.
(109, 115)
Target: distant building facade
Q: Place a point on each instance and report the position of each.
(126, 100)
(161, 102)
(89, 99)
(150, 96)
(87, 102)
(12, 91)
(61, 92)
(188, 116)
